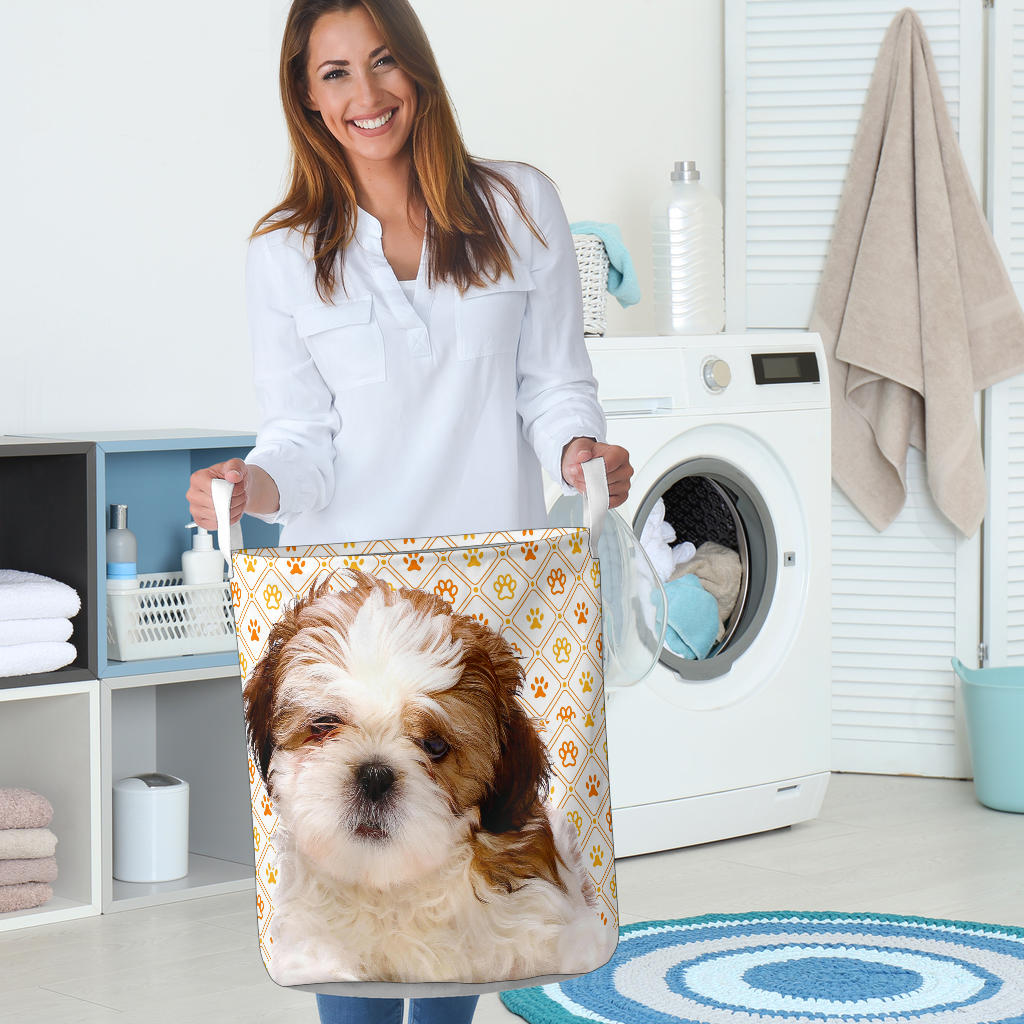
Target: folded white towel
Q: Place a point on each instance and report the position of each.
(27, 659)
(27, 595)
(34, 631)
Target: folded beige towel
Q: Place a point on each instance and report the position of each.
(22, 808)
(915, 308)
(35, 869)
(19, 843)
(720, 573)
(24, 897)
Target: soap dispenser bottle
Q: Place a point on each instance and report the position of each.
(203, 564)
(122, 552)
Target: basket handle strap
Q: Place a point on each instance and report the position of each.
(229, 536)
(595, 499)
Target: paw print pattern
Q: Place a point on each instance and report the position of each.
(600, 644)
(608, 818)
(271, 875)
(593, 785)
(576, 820)
(272, 597)
(473, 557)
(539, 686)
(582, 611)
(595, 575)
(535, 617)
(480, 617)
(260, 908)
(612, 887)
(354, 562)
(254, 630)
(596, 855)
(604, 918)
(250, 563)
(566, 714)
(446, 590)
(562, 649)
(243, 664)
(236, 594)
(268, 807)
(252, 771)
(576, 540)
(556, 581)
(296, 566)
(515, 647)
(568, 752)
(587, 682)
(588, 722)
(505, 586)
(529, 551)
(256, 839)
(413, 562)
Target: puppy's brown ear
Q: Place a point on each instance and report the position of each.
(522, 774)
(259, 692)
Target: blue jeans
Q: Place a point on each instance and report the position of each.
(360, 1010)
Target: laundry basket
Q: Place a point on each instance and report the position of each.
(593, 263)
(994, 704)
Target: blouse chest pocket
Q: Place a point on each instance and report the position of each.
(489, 320)
(346, 343)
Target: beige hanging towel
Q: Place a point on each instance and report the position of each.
(915, 308)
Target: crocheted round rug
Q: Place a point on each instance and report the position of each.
(795, 968)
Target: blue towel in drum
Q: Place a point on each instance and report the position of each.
(692, 618)
(622, 279)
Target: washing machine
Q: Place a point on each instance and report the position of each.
(732, 432)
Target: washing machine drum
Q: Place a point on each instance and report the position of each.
(716, 507)
(633, 603)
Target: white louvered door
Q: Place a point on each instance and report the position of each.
(796, 74)
(904, 601)
(1004, 420)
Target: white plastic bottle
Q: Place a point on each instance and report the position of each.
(122, 552)
(689, 270)
(203, 564)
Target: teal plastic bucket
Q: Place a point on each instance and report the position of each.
(994, 705)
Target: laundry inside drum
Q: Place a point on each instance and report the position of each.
(703, 514)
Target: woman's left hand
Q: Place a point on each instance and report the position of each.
(616, 464)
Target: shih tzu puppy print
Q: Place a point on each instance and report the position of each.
(415, 838)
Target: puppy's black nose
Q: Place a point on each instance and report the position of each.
(375, 780)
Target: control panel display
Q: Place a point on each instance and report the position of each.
(785, 368)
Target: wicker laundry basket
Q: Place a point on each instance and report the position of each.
(593, 261)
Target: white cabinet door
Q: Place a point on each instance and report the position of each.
(905, 601)
(796, 75)
(1004, 421)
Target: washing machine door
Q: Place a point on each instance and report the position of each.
(633, 602)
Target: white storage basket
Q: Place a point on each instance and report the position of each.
(593, 263)
(165, 618)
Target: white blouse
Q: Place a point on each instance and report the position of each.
(387, 417)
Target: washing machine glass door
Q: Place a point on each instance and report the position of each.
(633, 602)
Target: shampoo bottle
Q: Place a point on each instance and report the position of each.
(122, 551)
(203, 564)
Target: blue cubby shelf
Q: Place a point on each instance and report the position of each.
(149, 472)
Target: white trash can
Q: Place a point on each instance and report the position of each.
(150, 828)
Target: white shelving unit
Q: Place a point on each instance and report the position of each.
(50, 743)
(188, 724)
(71, 734)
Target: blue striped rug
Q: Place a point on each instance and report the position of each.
(795, 967)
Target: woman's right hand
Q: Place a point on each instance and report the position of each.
(200, 491)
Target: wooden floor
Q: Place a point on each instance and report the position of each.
(882, 844)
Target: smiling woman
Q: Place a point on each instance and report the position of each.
(417, 331)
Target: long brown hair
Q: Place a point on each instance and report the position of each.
(466, 238)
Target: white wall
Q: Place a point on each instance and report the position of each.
(143, 140)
